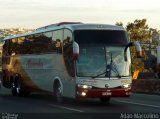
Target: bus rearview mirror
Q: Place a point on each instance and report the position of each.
(138, 49)
(75, 51)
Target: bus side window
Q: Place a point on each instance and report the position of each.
(57, 40)
(5, 49)
(48, 44)
(24, 45)
(6, 52)
(68, 51)
(13, 46)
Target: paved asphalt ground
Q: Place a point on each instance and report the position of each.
(39, 106)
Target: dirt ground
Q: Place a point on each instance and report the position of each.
(151, 86)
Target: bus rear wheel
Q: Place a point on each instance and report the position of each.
(16, 88)
(105, 99)
(13, 88)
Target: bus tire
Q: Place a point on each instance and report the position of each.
(0, 84)
(17, 88)
(13, 88)
(105, 99)
(58, 92)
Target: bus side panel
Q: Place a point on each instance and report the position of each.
(42, 70)
(12, 68)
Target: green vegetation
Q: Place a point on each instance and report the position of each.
(140, 31)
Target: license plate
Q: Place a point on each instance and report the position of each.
(106, 93)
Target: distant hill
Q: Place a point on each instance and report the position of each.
(13, 31)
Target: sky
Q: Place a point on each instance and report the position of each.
(37, 13)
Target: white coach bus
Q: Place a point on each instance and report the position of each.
(69, 59)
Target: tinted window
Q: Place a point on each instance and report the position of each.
(102, 37)
(67, 52)
(57, 40)
(38, 43)
(6, 52)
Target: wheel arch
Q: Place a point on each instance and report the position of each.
(55, 81)
(17, 77)
(13, 78)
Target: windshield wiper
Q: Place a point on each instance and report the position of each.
(99, 74)
(114, 69)
(111, 67)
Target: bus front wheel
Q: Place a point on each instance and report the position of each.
(58, 92)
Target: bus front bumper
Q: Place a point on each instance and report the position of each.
(103, 92)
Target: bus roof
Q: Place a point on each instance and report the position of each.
(68, 25)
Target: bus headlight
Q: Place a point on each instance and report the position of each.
(126, 86)
(84, 86)
(83, 94)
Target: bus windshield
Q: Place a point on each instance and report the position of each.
(102, 53)
(96, 60)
